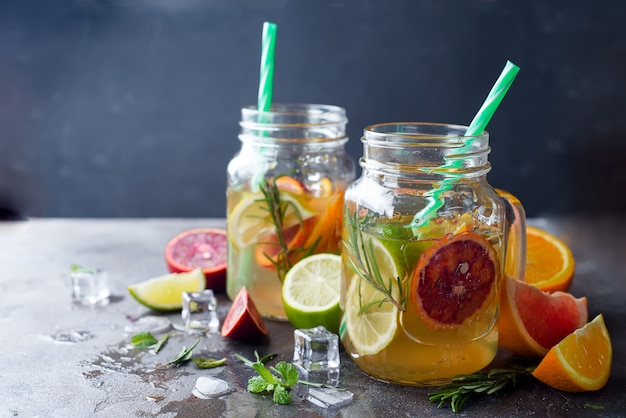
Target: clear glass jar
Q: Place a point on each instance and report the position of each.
(284, 192)
(425, 239)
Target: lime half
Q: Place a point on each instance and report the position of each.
(311, 292)
(165, 293)
(372, 329)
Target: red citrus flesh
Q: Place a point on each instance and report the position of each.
(544, 318)
(294, 237)
(243, 322)
(454, 279)
(205, 248)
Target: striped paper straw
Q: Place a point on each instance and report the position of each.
(266, 82)
(476, 127)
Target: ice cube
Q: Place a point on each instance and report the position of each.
(207, 386)
(327, 398)
(89, 286)
(200, 310)
(316, 349)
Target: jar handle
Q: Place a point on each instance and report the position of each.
(515, 258)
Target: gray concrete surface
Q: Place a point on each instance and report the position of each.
(98, 375)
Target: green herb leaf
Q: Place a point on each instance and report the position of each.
(143, 340)
(464, 387)
(257, 384)
(265, 373)
(183, 357)
(288, 372)
(281, 395)
(208, 363)
(161, 342)
(593, 406)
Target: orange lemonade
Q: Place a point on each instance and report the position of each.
(420, 304)
(271, 229)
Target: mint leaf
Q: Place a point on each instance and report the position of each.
(208, 363)
(265, 373)
(257, 384)
(143, 340)
(289, 373)
(281, 395)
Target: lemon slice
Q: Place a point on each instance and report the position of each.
(165, 293)
(311, 292)
(373, 329)
(250, 218)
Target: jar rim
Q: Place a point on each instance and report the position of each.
(419, 132)
(295, 113)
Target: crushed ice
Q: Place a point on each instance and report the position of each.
(69, 336)
(207, 387)
(327, 398)
(153, 324)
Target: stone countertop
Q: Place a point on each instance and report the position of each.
(62, 360)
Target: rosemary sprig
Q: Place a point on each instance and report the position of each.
(183, 357)
(277, 208)
(363, 260)
(464, 387)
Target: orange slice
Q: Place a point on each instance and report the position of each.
(289, 184)
(269, 250)
(454, 279)
(581, 361)
(549, 261)
(532, 321)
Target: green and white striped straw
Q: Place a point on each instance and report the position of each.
(476, 127)
(266, 83)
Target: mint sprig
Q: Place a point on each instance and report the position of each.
(277, 380)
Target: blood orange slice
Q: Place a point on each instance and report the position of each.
(203, 248)
(454, 280)
(243, 322)
(533, 321)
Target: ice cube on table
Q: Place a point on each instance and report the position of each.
(327, 398)
(207, 387)
(316, 349)
(200, 311)
(89, 286)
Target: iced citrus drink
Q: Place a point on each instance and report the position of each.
(421, 306)
(271, 229)
(424, 250)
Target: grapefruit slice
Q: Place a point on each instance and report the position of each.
(203, 248)
(454, 280)
(533, 321)
(581, 361)
(243, 322)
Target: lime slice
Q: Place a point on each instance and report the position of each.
(311, 292)
(373, 329)
(165, 293)
(250, 218)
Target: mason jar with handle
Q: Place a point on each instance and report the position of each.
(424, 244)
(285, 191)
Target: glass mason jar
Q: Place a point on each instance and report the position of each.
(284, 193)
(424, 244)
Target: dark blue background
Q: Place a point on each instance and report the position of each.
(130, 108)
